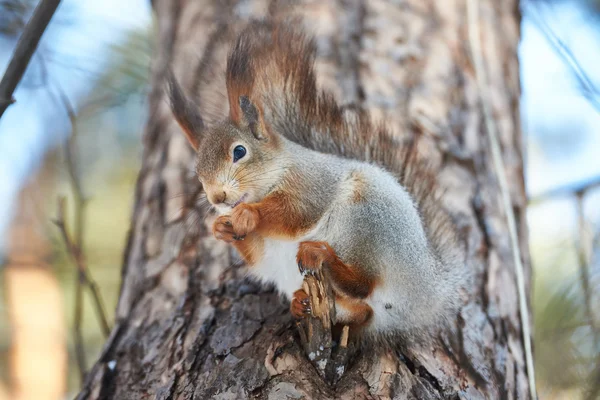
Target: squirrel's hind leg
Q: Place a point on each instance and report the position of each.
(352, 281)
(355, 313)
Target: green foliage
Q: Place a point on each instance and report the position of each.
(565, 352)
(126, 74)
(558, 316)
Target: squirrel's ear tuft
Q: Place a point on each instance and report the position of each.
(185, 112)
(253, 117)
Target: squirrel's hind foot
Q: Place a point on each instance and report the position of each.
(300, 304)
(312, 255)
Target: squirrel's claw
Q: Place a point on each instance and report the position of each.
(222, 229)
(312, 255)
(305, 271)
(300, 304)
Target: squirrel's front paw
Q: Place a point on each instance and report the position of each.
(223, 229)
(300, 304)
(244, 219)
(312, 255)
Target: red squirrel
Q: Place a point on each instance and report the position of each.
(300, 184)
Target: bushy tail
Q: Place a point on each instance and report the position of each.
(273, 64)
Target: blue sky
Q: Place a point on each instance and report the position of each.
(79, 34)
(550, 98)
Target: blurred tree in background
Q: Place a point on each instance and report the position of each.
(567, 346)
(108, 121)
(108, 127)
(13, 16)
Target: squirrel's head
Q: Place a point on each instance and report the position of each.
(239, 159)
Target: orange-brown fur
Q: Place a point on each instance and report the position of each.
(272, 63)
(300, 304)
(358, 188)
(347, 279)
(360, 312)
(185, 112)
(270, 77)
(277, 216)
(250, 246)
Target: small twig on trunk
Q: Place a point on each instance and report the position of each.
(26, 46)
(81, 265)
(316, 335)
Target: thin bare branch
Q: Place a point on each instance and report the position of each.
(26, 46)
(567, 190)
(77, 331)
(80, 201)
(78, 308)
(79, 211)
(584, 256)
(81, 265)
(588, 89)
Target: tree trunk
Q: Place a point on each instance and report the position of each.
(190, 327)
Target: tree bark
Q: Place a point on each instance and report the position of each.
(189, 326)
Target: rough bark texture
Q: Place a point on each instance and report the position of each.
(190, 327)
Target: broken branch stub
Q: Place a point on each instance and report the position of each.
(329, 357)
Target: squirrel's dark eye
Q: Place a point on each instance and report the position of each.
(238, 152)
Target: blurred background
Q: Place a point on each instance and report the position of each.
(75, 133)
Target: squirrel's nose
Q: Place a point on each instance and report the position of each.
(217, 198)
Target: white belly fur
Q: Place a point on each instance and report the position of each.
(384, 318)
(278, 266)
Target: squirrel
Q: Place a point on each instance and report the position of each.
(301, 184)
